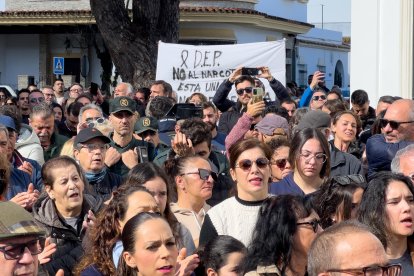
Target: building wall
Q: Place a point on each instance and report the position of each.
(33, 5)
(291, 9)
(382, 48)
(20, 56)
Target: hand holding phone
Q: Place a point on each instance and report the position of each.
(250, 71)
(258, 95)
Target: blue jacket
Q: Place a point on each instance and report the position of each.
(380, 153)
(286, 186)
(18, 183)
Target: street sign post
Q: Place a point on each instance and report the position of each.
(58, 65)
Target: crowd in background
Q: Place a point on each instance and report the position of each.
(135, 183)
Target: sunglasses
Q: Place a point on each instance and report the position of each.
(393, 124)
(37, 100)
(314, 223)
(344, 180)
(246, 164)
(316, 98)
(16, 251)
(280, 163)
(243, 90)
(204, 174)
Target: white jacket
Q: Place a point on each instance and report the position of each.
(28, 145)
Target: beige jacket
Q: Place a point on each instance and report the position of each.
(270, 270)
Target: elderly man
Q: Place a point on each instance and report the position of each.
(90, 147)
(89, 113)
(48, 94)
(397, 132)
(42, 120)
(348, 248)
(21, 240)
(75, 90)
(123, 89)
(403, 162)
(124, 152)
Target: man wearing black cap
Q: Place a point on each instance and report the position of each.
(21, 240)
(123, 117)
(147, 129)
(90, 147)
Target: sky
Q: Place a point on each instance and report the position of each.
(2, 4)
(336, 14)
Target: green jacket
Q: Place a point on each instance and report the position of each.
(56, 143)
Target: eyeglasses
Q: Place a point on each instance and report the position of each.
(388, 270)
(314, 223)
(204, 174)
(92, 147)
(244, 90)
(393, 124)
(319, 157)
(316, 98)
(99, 120)
(344, 180)
(16, 251)
(280, 163)
(246, 164)
(37, 100)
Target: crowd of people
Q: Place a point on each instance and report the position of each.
(129, 184)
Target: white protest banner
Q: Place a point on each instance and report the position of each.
(202, 69)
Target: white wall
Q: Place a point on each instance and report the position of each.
(20, 57)
(290, 9)
(381, 56)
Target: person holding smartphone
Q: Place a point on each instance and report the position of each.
(244, 85)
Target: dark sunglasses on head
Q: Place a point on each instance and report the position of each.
(316, 98)
(393, 124)
(246, 164)
(344, 180)
(16, 251)
(242, 90)
(280, 163)
(314, 223)
(204, 174)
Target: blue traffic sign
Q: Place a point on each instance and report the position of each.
(58, 65)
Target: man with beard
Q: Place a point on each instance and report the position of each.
(42, 120)
(123, 154)
(59, 88)
(360, 105)
(210, 117)
(23, 104)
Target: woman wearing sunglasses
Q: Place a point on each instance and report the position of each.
(279, 164)
(310, 159)
(194, 182)
(387, 207)
(338, 199)
(285, 229)
(236, 216)
(345, 126)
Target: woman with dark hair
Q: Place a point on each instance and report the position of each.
(193, 181)
(58, 112)
(106, 247)
(387, 207)
(155, 180)
(221, 256)
(310, 159)
(285, 229)
(150, 247)
(338, 199)
(65, 211)
(345, 128)
(237, 215)
(279, 163)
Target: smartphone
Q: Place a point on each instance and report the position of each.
(94, 89)
(258, 94)
(143, 154)
(250, 71)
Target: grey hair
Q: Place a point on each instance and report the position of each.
(4, 128)
(395, 164)
(130, 88)
(42, 110)
(87, 107)
(322, 253)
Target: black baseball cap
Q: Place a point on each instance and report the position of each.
(146, 123)
(122, 104)
(90, 133)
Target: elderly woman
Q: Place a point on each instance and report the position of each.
(65, 211)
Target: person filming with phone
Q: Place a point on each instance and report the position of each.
(244, 80)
